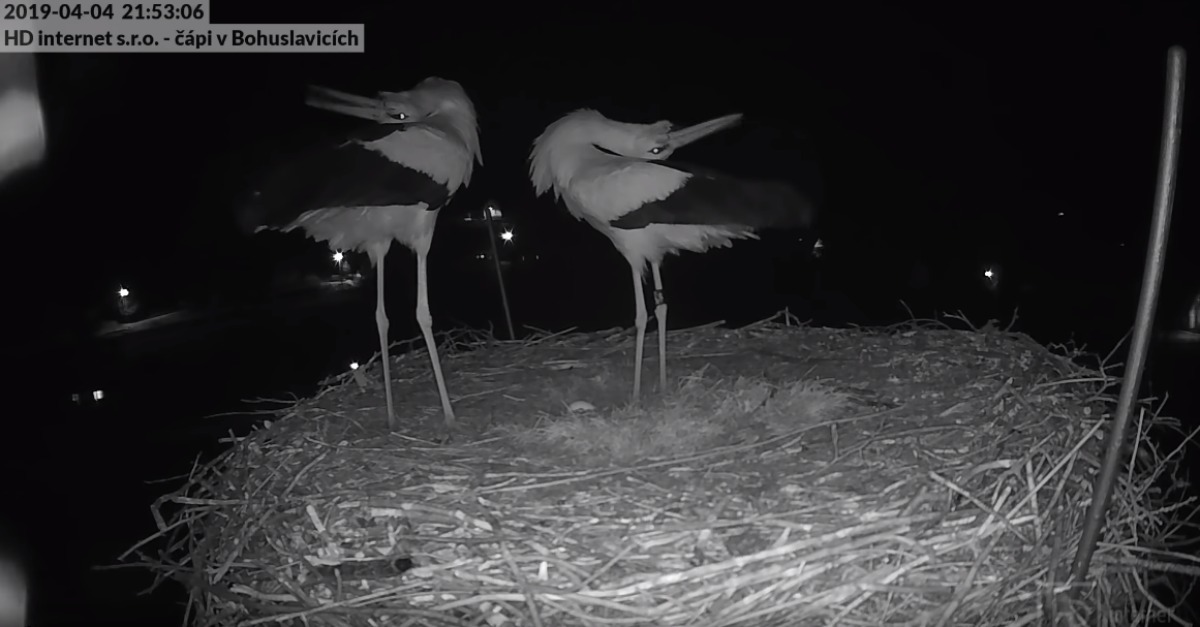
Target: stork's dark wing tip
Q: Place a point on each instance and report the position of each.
(805, 209)
(249, 213)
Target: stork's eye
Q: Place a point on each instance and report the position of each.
(393, 111)
(657, 150)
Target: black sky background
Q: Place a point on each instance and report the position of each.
(927, 135)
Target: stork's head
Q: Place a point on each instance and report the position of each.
(441, 103)
(584, 136)
(438, 103)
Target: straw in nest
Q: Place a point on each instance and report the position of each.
(914, 475)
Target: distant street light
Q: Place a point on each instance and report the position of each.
(338, 256)
(127, 305)
(991, 277)
(506, 236)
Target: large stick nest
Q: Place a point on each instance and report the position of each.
(795, 476)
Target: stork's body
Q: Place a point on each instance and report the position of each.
(615, 176)
(385, 181)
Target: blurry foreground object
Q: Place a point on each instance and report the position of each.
(14, 591)
(615, 176)
(383, 181)
(13, 596)
(22, 127)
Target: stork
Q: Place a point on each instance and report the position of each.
(384, 181)
(615, 176)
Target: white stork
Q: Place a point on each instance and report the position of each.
(614, 176)
(385, 181)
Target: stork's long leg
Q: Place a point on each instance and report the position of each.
(425, 320)
(639, 319)
(660, 312)
(381, 321)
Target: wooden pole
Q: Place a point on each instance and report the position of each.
(1164, 199)
(487, 212)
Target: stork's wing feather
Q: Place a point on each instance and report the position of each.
(612, 186)
(338, 172)
(712, 198)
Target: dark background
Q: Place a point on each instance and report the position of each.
(952, 139)
(938, 143)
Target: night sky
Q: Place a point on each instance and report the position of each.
(926, 135)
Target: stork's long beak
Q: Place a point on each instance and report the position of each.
(685, 136)
(346, 104)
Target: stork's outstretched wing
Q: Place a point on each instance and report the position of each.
(708, 197)
(611, 187)
(347, 170)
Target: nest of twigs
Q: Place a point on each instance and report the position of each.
(790, 476)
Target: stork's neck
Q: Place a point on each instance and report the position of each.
(462, 130)
(580, 161)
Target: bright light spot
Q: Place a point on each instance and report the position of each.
(97, 395)
(354, 365)
(122, 292)
(507, 235)
(481, 256)
(1062, 213)
(494, 212)
(991, 276)
(338, 257)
